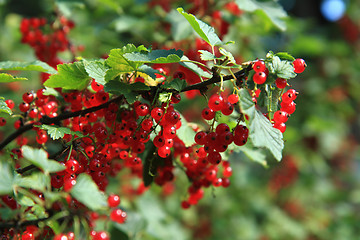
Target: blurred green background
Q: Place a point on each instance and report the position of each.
(314, 192)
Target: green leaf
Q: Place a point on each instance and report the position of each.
(8, 213)
(151, 162)
(25, 201)
(87, 192)
(177, 84)
(7, 178)
(155, 56)
(261, 131)
(148, 70)
(228, 55)
(283, 69)
(56, 132)
(37, 181)
(71, 76)
(117, 60)
(285, 56)
(3, 107)
(38, 157)
(164, 97)
(194, 67)
(96, 70)
(255, 155)
(271, 8)
(179, 28)
(128, 90)
(27, 66)
(5, 78)
(186, 133)
(205, 31)
(206, 55)
(51, 92)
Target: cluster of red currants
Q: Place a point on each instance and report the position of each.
(46, 39)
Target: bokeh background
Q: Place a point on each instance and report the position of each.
(313, 193)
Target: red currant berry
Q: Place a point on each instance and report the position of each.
(259, 66)
(142, 109)
(233, 98)
(68, 184)
(96, 86)
(288, 107)
(200, 138)
(164, 151)
(227, 109)
(179, 75)
(140, 79)
(214, 158)
(72, 166)
(299, 65)
(28, 97)
(117, 215)
(113, 200)
(259, 77)
(222, 128)
(157, 113)
(10, 103)
(281, 116)
(281, 83)
(24, 107)
(207, 113)
(281, 126)
(216, 102)
(2, 121)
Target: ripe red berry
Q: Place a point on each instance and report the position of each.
(200, 138)
(28, 97)
(281, 126)
(117, 215)
(113, 200)
(2, 121)
(164, 151)
(227, 108)
(10, 103)
(281, 116)
(299, 65)
(233, 98)
(142, 109)
(259, 77)
(259, 66)
(281, 83)
(207, 113)
(24, 107)
(216, 102)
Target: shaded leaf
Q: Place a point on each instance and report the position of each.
(177, 84)
(27, 66)
(38, 157)
(128, 90)
(3, 107)
(186, 133)
(37, 181)
(7, 178)
(179, 27)
(271, 8)
(151, 162)
(255, 155)
(205, 31)
(261, 131)
(87, 192)
(5, 78)
(155, 56)
(195, 68)
(71, 76)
